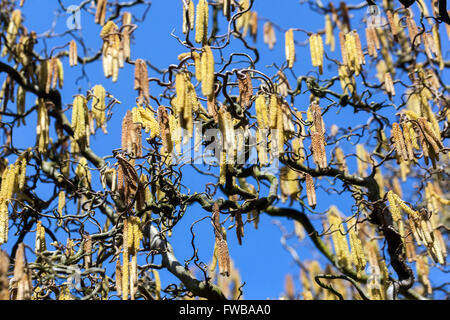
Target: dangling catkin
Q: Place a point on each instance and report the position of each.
(207, 71)
(99, 106)
(269, 36)
(329, 35)
(164, 129)
(100, 12)
(201, 23)
(141, 81)
(310, 191)
(289, 47)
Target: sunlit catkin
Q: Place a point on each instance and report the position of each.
(357, 253)
(318, 149)
(12, 31)
(111, 50)
(288, 183)
(73, 53)
(188, 16)
(61, 201)
(42, 127)
(338, 235)
(223, 257)
(316, 50)
(207, 71)
(98, 106)
(399, 141)
(146, 117)
(80, 124)
(289, 47)
(201, 23)
(329, 34)
(261, 109)
(100, 13)
(40, 238)
(388, 84)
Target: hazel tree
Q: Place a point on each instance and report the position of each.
(79, 222)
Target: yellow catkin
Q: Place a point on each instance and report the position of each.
(357, 253)
(399, 141)
(100, 13)
(207, 71)
(112, 58)
(223, 167)
(40, 238)
(340, 160)
(201, 23)
(147, 118)
(12, 31)
(362, 159)
(189, 13)
(157, 282)
(22, 163)
(329, 35)
(338, 235)
(273, 111)
(98, 105)
(289, 47)
(42, 128)
(61, 201)
(423, 272)
(125, 259)
(83, 173)
(316, 49)
(80, 123)
(198, 65)
(261, 109)
(288, 183)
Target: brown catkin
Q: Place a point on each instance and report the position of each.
(223, 257)
(388, 84)
(310, 191)
(318, 149)
(269, 36)
(164, 129)
(408, 140)
(22, 276)
(392, 22)
(4, 281)
(141, 81)
(399, 141)
(73, 53)
(100, 13)
(245, 90)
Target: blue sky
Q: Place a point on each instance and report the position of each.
(261, 260)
